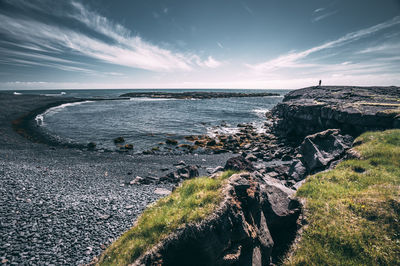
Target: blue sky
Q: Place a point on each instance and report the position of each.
(277, 44)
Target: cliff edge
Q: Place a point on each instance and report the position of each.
(353, 110)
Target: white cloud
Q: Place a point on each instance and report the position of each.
(291, 59)
(319, 10)
(122, 48)
(247, 8)
(383, 48)
(323, 16)
(211, 62)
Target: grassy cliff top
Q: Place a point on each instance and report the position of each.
(193, 201)
(354, 210)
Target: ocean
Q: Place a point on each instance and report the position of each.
(146, 122)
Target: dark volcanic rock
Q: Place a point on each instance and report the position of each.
(119, 140)
(281, 212)
(238, 164)
(182, 173)
(320, 149)
(251, 157)
(128, 146)
(352, 109)
(297, 171)
(171, 142)
(238, 232)
(91, 145)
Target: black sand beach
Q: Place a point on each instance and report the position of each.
(63, 205)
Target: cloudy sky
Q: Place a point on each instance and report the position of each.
(72, 44)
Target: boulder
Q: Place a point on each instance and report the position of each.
(297, 171)
(281, 212)
(321, 149)
(128, 146)
(171, 142)
(211, 142)
(162, 191)
(239, 164)
(217, 169)
(91, 145)
(119, 140)
(182, 173)
(251, 157)
(180, 163)
(137, 180)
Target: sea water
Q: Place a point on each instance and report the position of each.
(147, 122)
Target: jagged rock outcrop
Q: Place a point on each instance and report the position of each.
(182, 173)
(239, 163)
(321, 149)
(352, 109)
(252, 226)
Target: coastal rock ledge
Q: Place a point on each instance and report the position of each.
(253, 225)
(354, 110)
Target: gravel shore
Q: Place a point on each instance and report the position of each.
(64, 205)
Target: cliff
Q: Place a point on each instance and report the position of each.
(352, 109)
(253, 224)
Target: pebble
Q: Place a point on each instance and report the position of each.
(162, 191)
(53, 205)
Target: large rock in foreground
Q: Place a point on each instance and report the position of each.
(320, 149)
(254, 214)
(352, 109)
(239, 163)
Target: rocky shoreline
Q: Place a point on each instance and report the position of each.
(62, 205)
(352, 109)
(71, 203)
(259, 218)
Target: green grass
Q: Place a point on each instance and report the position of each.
(193, 201)
(354, 210)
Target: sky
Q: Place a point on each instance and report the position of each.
(255, 44)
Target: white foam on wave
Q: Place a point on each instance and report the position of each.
(259, 127)
(17, 93)
(40, 117)
(260, 112)
(54, 94)
(230, 130)
(222, 130)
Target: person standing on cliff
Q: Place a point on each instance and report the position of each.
(320, 81)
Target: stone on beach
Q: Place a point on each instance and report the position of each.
(238, 164)
(162, 191)
(171, 142)
(182, 173)
(119, 140)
